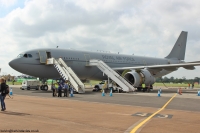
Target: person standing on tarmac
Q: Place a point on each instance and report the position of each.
(192, 85)
(60, 90)
(66, 89)
(54, 90)
(143, 87)
(3, 94)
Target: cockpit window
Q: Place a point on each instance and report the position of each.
(25, 55)
(20, 55)
(30, 56)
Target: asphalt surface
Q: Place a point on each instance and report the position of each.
(188, 101)
(38, 111)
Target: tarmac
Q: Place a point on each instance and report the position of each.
(38, 111)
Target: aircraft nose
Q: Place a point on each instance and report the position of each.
(13, 63)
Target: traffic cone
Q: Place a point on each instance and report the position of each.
(103, 93)
(71, 94)
(11, 93)
(158, 93)
(198, 93)
(110, 92)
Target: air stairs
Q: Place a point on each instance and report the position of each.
(123, 83)
(67, 73)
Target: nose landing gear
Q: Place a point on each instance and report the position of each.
(44, 85)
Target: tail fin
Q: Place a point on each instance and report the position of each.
(178, 51)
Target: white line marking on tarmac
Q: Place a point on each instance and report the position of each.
(118, 113)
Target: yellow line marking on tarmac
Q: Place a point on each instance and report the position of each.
(148, 118)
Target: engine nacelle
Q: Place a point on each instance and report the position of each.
(138, 78)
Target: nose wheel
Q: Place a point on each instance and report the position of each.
(44, 85)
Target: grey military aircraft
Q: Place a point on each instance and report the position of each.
(136, 69)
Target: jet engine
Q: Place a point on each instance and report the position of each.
(138, 78)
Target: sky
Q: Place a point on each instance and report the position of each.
(146, 28)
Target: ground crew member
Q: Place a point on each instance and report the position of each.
(192, 85)
(143, 87)
(60, 90)
(56, 87)
(66, 89)
(54, 90)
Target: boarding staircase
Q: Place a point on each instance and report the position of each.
(123, 83)
(67, 73)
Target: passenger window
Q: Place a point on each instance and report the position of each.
(30, 56)
(25, 55)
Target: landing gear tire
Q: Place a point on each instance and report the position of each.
(37, 88)
(41, 87)
(45, 88)
(96, 88)
(28, 88)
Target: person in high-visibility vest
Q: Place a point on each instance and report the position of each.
(56, 87)
(54, 90)
(143, 87)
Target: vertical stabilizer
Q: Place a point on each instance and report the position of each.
(178, 51)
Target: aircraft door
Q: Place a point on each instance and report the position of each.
(43, 56)
(87, 59)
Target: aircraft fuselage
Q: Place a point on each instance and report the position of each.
(78, 60)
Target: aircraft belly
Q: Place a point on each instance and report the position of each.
(42, 71)
(86, 72)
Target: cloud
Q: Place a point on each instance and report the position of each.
(140, 27)
(7, 3)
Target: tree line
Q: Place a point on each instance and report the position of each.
(177, 80)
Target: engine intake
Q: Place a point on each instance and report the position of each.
(138, 78)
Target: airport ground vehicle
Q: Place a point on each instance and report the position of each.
(102, 84)
(30, 84)
(99, 86)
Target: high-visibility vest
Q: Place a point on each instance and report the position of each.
(56, 85)
(143, 85)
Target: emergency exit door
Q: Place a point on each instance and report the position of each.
(43, 56)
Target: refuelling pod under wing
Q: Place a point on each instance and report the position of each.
(138, 78)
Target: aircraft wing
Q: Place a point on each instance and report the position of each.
(165, 66)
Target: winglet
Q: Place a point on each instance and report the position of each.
(178, 51)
